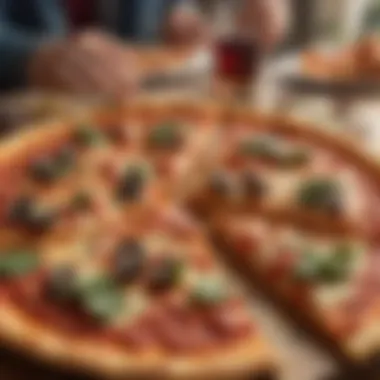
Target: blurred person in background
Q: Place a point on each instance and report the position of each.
(76, 45)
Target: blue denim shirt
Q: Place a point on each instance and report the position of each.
(25, 24)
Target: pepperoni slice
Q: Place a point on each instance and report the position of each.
(244, 243)
(229, 320)
(179, 332)
(282, 266)
(138, 335)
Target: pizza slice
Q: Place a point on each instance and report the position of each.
(287, 177)
(141, 297)
(177, 139)
(331, 282)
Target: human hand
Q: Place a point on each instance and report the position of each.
(88, 63)
(265, 20)
(186, 27)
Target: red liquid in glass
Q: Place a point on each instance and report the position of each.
(237, 59)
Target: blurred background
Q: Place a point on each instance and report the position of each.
(266, 51)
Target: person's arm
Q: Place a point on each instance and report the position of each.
(185, 24)
(266, 20)
(17, 45)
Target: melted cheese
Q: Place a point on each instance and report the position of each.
(136, 303)
(274, 241)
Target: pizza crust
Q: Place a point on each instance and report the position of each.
(20, 332)
(367, 341)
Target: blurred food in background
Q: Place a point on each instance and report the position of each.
(359, 61)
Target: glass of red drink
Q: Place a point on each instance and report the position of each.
(237, 60)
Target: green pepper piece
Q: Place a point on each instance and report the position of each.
(17, 263)
(165, 136)
(88, 136)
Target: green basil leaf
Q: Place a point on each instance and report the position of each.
(208, 292)
(319, 193)
(338, 266)
(294, 158)
(308, 267)
(101, 298)
(335, 267)
(88, 136)
(18, 263)
(259, 147)
(165, 136)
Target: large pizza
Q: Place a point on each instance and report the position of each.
(112, 229)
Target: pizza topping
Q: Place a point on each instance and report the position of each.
(131, 184)
(273, 150)
(81, 201)
(43, 170)
(98, 296)
(27, 214)
(128, 261)
(165, 136)
(293, 158)
(86, 136)
(261, 147)
(165, 274)
(20, 210)
(221, 183)
(18, 263)
(231, 319)
(101, 298)
(61, 284)
(47, 169)
(320, 194)
(316, 267)
(208, 292)
(65, 159)
(253, 185)
(40, 219)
